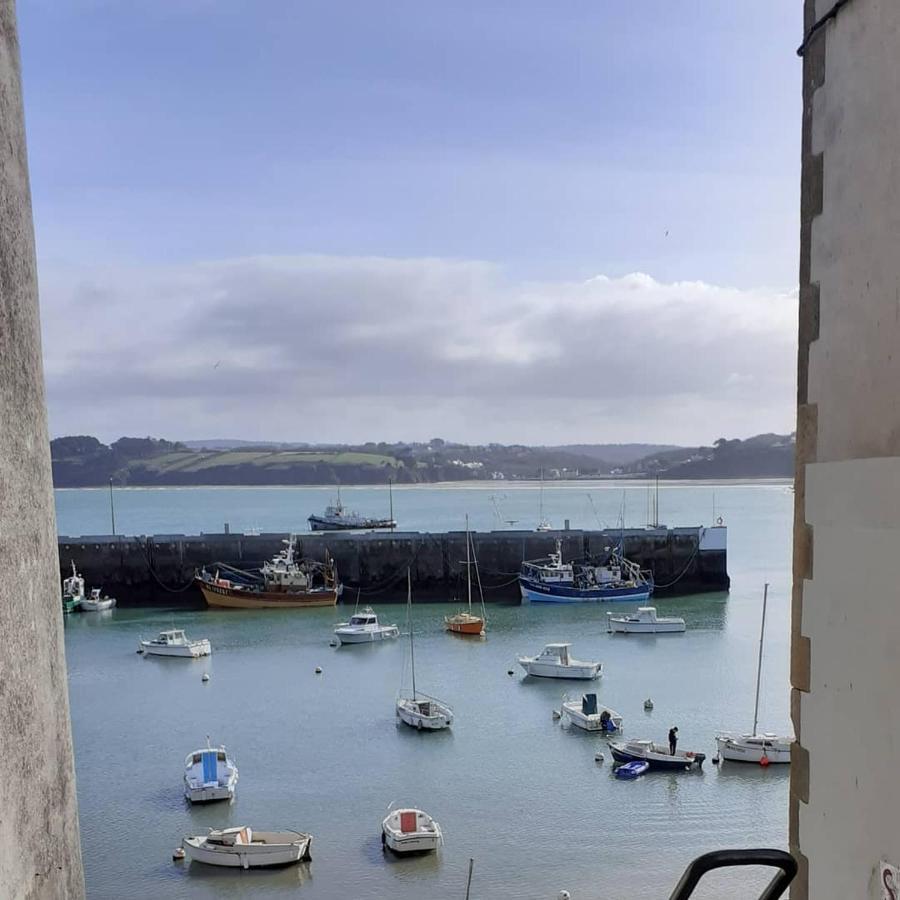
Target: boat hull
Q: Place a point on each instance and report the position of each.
(209, 794)
(252, 856)
(426, 838)
(737, 749)
(71, 604)
(547, 670)
(98, 605)
(317, 523)
(440, 718)
(538, 592)
(194, 651)
(658, 761)
(466, 626)
(229, 598)
(383, 633)
(617, 626)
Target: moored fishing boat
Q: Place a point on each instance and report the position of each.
(96, 602)
(644, 621)
(554, 662)
(72, 591)
(410, 831)
(465, 621)
(337, 518)
(209, 774)
(284, 582)
(363, 628)
(246, 848)
(656, 755)
(175, 643)
(550, 580)
(586, 714)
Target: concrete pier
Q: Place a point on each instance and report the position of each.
(157, 570)
(40, 854)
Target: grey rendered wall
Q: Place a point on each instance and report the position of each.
(40, 852)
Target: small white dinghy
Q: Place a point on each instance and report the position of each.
(244, 848)
(363, 628)
(588, 716)
(209, 774)
(554, 662)
(410, 831)
(96, 603)
(175, 643)
(644, 621)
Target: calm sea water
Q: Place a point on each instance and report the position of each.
(512, 788)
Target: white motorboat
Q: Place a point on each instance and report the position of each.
(410, 831)
(588, 716)
(96, 603)
(644, 621)
(414, 708)
(209, 774)
(363, 628)
(762, 748)
(554, 662)
(244, 848)
(657, 755)
(175, 643)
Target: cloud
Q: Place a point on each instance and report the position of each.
(358, 348)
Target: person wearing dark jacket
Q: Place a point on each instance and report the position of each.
(673, 740)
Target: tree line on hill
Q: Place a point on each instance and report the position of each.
(84, 461)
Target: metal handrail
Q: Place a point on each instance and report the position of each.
(721, 859)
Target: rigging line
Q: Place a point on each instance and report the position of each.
(818, 26)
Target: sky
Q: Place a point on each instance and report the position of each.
(524, 221)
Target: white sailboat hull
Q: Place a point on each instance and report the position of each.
(752, 748)
(250, 856)
(418, 714)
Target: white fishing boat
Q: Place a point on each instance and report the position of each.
(762, 748)
(96, 602)
(644, 621)
(657, 755)
(554, 662)
(245, 848)
(175, 643)
(414, 708)
(363, 628)
(209, 774)
(587, 715)
(410, 831)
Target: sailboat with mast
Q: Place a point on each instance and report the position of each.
(756, 747)
(543, 523)
(416, 709)
(466, 622)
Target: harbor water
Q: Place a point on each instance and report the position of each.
(512, 788)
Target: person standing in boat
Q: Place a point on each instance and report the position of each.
(673, 740)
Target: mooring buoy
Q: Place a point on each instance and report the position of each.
(318, 670)
(178, 853)
(205, 676)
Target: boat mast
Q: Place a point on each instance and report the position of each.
(762, 631)
(391, 499)
(541, 511)
(468, 565)
(412, 651)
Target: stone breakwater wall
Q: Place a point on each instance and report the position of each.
(157, 570)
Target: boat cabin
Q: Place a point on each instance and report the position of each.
(558, 653)
(364, 619)
(229, 837)
(170, 638)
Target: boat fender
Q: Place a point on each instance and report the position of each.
(764, 760)
(564, 895)
(318, 670)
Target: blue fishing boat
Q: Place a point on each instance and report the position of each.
(550, 580)
(632, 769)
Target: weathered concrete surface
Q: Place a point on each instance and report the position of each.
(40, 852)
(845, 664)
(152, 570)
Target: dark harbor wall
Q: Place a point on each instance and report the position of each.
(157, 570)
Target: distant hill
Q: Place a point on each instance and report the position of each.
(83, 461)
(616, 454)
(761, 456)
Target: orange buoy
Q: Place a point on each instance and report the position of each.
(764, 760)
